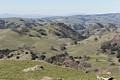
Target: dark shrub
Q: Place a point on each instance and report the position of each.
(119, 60)
(96, 39)
(106, 45)
(44, 53)
(96, 70)
(31, 35)
(118, 55)
(79, 57)
(5, 53)
(26, 52)
(42, 57)
(112, 64)
(33, 55)
(75, 42)
(42, 32)
(76, 57)
(17, 57)
(71, 57)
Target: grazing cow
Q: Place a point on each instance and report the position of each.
(111, 78)
(102, 78)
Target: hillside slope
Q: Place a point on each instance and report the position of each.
(14, 72)
(20, 22)
(40, 39)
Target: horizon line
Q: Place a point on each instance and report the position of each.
(12, 15)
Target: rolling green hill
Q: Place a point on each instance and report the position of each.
(42, 38)
(12, 39)
(12, 70)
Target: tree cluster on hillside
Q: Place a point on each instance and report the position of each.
(22, 31)
(28, 31)
(65, 31)
(66, 60)
(42, 32)
(5, 52)
(111, 48)
(97, 28)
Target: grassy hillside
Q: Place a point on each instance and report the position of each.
(49, 35)
(13, 40)
(89, 47)
(40, 39)
(12, 70)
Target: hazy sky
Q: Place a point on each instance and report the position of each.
(59, 7)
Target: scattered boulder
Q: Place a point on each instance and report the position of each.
(49, 78)
(109, 73)
(46, 78)
(38, 67)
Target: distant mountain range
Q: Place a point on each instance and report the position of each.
(76, 22)
(100, 18)
(23, 16)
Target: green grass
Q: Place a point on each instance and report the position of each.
(12, 70)
(12, 40)
(89, 47)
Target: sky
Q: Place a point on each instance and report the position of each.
(59, 7)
